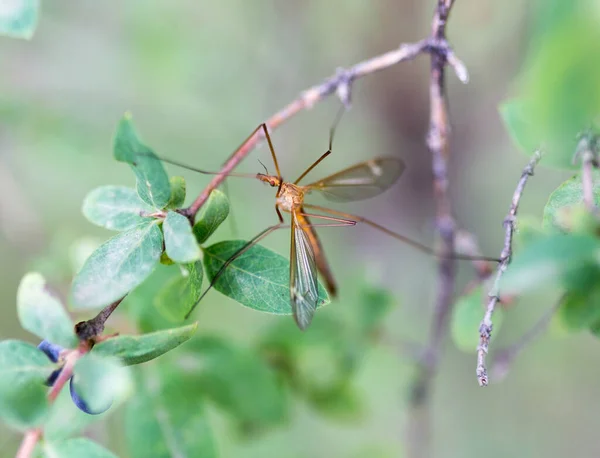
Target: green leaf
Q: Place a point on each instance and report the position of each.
(163, 420)
(564, 201)
(237, 380)
(466, 318)
(75, 448)
(180, 244)
(23, 371)
(519, 122)
(65, 420)
(153, 184)
(43, 314)
(178, 189)
(374, 305)
(212, 214)
(118, 266)
(259, 278)
(100, 381)
(18, 18)
(140, 349)
(580, 309)
(340, 402)
(115, 207)
(181, 293)
(547, 261)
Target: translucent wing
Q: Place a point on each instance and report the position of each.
(304, 292)
(361, 181)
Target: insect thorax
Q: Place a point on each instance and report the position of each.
(290, 196)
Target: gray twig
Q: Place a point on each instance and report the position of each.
(485, 328)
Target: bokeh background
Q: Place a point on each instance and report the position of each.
(198, 78)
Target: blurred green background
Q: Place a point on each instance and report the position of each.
(198, 78)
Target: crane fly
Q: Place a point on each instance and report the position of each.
(361, 181)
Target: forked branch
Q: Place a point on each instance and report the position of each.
(486, 326)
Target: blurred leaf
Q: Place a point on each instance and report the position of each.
(259, 278)
(23, 371)
(546, 262)
(80, 250)
(115, 207)
(163, 420)
(528, 229)
(100, 381)
(180, 294)
(580, 309)
(212, 214)
(338, 402)
(560, 81)
(565, 199)
(374, 305)
(165, 260)
(180, 244)
(117, 266)
(75, 448)
(178, 189)
(43, 314)
(519, 122)
(18, 18)
(237, 380)
(466, 318)
(140, 349)
(66, 420)
(153, 184)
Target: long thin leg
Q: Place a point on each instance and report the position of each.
(408, 241)
(332, 129)
(273, 155)
(236, 255)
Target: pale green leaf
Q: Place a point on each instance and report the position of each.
(75, 448)
(180, 294)
(212, 214)
(180, 243)
(18, 18)
(115, 207)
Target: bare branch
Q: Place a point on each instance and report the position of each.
(485, 328)
(587, 152)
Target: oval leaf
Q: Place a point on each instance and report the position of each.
(181, 293)
(565, 199)
(547, 261)
(213, 213)
(43, 314)
(18, 18)
(259, 278)
(466, 318)
(75, 448)
(101, 381)
(117, 266)
(166, 420)
(153, 184)
(178, 189)
(140, 349)
(23, 371)
(115, 207)
(238, 380)
(180, 243)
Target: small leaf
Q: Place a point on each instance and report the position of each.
(115, 207)
(164, 421)
(341, 403)
(180, 244)
(118, 266)
(140, 349)
(18, 18)
(178, 189)
(43, 314)
(100, 381)
(237, 380)
(466, 318)
(213, 213)
(75, 448)
(181, 293)
(153, 184)
(547, 261)
(23, 371)
(259, 278)
(565, 199)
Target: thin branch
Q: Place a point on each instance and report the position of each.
(419, 429)
(92, 329)
(505, 357)
(339, 84)
(486, 326)
(467, 243)
(587, 152)
(33, 436)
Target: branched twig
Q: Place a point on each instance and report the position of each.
(33, 436)
(485, 328)
(505, 357)
(92, 329)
